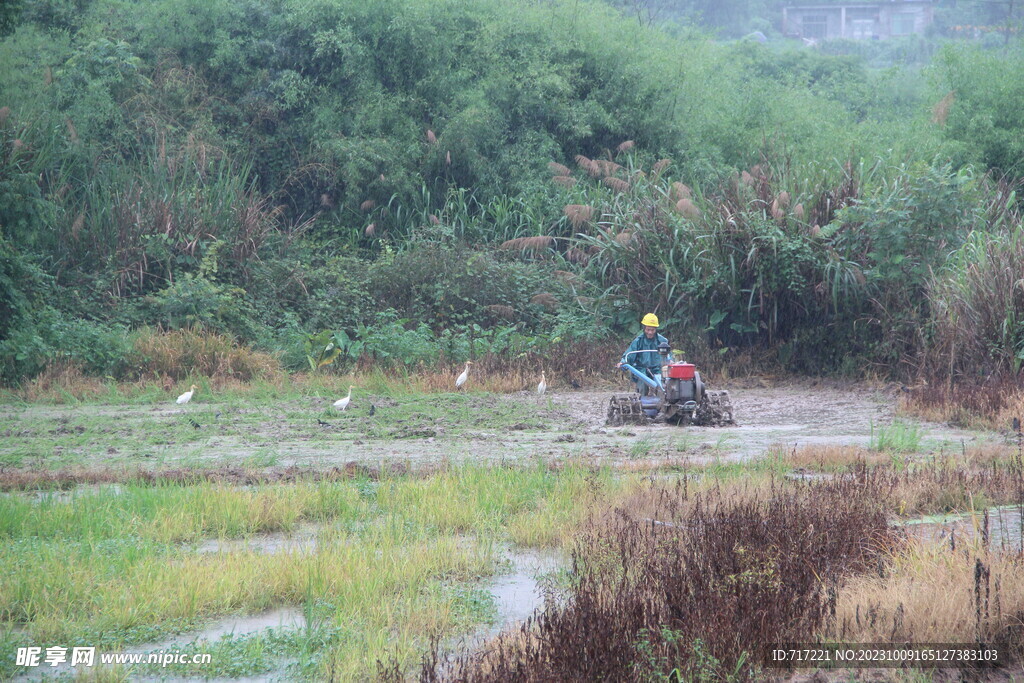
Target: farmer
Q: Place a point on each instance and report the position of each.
(648, 362)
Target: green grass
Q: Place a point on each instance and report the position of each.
(395, 561)
(641, 448)
(898, 438)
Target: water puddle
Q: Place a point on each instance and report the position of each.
(302, 540)
(51, 496)
(282, 618)
(236, 626)
(517, 593)
(807, 475)
(1003, 531)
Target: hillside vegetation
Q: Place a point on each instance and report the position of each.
(423, 182)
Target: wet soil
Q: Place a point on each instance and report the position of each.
(301, 540)
(294, 439)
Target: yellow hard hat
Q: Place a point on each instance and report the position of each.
(650, 320)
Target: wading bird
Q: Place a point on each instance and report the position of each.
(464, 376)
(342, 403)
(543, 386)
(187, 396)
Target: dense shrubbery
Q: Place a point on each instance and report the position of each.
(378, 170)
(982, 113)
(824, 272)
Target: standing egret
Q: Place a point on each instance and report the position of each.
(342, 403)
(464, 376)
(543, 386)
(187, 396)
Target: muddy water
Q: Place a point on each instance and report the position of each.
(282, 618)
(518, 594)
(235, 626)
(65, 496)
(1004, 528)
(303, 539)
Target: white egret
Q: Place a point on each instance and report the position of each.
(464, 376)
(187, 396)
(342, 403)
(543, 386)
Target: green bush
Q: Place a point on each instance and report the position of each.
(444, 284)
(24, 289)
(985, 117)
(312, 293)
(976, 303)
(192, 301)
(98, 348)
(390, 340)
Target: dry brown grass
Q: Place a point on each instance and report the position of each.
(578, 214)
(991, 406)
(536, 244)
(162, 358)
(617, 184)
(564, 181)
(60, 380)
(832, 457)
(69, 477)
(62, 383)
(568, 367)
(567, 277)
(838, 457)
(930, 593)
(778, 213)
(577, 256)
(959, 481)
(607, 168)
(545, 299)
(688, 209)
(583, 365)
(179, 354)
(558, 169)
(592, 168)
(737, 574)
(679, 191)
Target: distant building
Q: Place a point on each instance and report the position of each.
(857, 21)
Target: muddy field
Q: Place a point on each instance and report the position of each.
(513, 519)
(417, 430)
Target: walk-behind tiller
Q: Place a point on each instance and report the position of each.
(681, 398)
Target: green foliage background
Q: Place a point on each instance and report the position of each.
(278, 168)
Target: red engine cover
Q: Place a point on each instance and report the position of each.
(681, 370)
